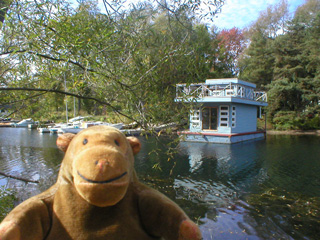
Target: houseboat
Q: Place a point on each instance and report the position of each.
(224, 110)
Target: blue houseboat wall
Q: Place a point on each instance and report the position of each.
(226, 110)
(231, 118)
(246, 118)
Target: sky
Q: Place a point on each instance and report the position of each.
(240, 13)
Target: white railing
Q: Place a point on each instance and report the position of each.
(261, 96)
(202, 90)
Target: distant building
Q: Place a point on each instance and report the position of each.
(226, 110)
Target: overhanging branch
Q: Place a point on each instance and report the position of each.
(68, 94)
(48, 57)
(22, 100)
(57, 59)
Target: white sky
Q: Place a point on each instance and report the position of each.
(240, 13)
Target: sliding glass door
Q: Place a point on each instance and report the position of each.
(209, 118)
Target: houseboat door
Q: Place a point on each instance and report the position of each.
(209, 118)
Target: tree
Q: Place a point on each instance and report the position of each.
(231, 43)
(296, 75)
(129, 59)
(282, 57)
(272, 22)
(256, 64)
(257, 61)
(4, 5)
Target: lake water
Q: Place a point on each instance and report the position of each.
(266, 189)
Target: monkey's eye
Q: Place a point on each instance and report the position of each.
(85, 141)
(117, 142)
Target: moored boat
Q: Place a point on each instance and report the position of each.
(78, 129)
(23, 123)
(43, 130)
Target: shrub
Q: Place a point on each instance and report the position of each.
(286, 120)
(290, 120)
(7, 199)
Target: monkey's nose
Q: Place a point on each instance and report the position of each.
(101, 164)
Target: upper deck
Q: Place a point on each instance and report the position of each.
(221, 90)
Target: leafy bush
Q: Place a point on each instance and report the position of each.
(311, 123)
(290, 120)
(7, 199)
(285, 120)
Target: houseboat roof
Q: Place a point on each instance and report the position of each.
(221, 90)
(223, 81)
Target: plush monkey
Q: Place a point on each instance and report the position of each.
(98, 196)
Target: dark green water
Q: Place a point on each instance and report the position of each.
(267, 189)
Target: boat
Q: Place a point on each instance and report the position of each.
(43, 130)
(226, 112)
(75, 129)
(23, 123)
(33, 125)
(73, 123)
(77, 119)
(57, 128)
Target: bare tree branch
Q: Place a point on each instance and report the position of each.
(69, 94)
(18, 178)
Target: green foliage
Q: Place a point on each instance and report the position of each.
(129, 60)
(7, 199)
(290, 120)
(287, 64)
(258, 68)
(286, 120)
(311, 122)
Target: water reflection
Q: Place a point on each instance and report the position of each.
(214, 182)
(224, 173)
(28, 154)
(230, 190)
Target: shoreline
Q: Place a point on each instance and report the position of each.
(269, 132)
(294, 132)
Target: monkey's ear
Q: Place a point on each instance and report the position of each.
(135, 144)
(64, 140)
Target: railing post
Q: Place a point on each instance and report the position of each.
(202, 90)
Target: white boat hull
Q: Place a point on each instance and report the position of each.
(76, 130)
(43, 130)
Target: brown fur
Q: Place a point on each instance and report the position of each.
(98, 196)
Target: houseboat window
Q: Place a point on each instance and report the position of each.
(209, 118)
(195, 118)
(224, 116)
(233, 120)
